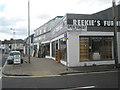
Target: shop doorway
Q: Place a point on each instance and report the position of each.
(96, 45)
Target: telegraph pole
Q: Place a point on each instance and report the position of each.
(29, 31)
(115, 33)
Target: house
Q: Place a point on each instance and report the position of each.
(26, 45)
(8, 45)
(5, 46)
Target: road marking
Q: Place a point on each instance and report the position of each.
(86, 87)
(32, 76)
(4, 65)
(94, 72)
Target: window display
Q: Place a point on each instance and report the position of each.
(53, 49)
(47, 45)
(96, 48)
(63, 50)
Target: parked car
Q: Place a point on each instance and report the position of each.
(14, 58)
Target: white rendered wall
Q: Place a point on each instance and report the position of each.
(118, 47)
(72, 49)
(73, 53)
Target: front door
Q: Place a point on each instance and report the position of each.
(96, 48)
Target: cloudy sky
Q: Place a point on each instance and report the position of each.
(13, 13)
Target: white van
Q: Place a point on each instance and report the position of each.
(14, 57)
(17, 57)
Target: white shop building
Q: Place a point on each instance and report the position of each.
(81, 39)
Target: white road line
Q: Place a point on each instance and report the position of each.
(4, 65)
(32, 76)
(86, 87)
(94, 72)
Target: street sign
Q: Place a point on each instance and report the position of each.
(65, 36)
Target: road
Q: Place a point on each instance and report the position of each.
(94, 80)
(0, 68)
(4, 57)
(91, 80)
(0, 58)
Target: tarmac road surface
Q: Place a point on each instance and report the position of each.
(91, 80)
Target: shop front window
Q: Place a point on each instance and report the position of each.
(84, 49)
(42, 51)
(35, 50)
(47, 49)
(96, 48)
(63, 50)
(53, 49)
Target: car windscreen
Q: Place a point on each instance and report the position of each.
(14, 53)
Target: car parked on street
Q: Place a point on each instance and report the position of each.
(14, 58)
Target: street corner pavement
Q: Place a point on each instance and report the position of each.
(15, 70)
(48, 67)
(36, 67)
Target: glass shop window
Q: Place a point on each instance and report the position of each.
(53, 49)
(63, 49)
(47, 49)
(96, 48)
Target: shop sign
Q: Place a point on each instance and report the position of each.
(77, 27)
(98, 23)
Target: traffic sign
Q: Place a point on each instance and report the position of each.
(66, 38)
(65, 35)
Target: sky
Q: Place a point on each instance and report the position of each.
(14, 13)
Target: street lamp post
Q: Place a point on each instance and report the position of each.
(29, 31)
(115, 33)
(13, 37)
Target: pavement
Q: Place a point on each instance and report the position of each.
(49, 67)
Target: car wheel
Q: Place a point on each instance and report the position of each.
(21, 61)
